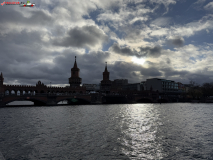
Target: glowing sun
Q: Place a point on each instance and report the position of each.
(138, 60)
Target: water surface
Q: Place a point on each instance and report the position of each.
(133, 131)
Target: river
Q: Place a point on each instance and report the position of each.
(125, 131)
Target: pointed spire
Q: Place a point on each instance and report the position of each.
(106, 67)
(1, 74)
(75, 64)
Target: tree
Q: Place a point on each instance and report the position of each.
(195, 91)
(207, 89)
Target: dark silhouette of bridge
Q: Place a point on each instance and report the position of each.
(45, 99)
(43, 95)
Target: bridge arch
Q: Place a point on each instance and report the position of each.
(13, 92)
(7, 92)
(35, 100)
(18, 91)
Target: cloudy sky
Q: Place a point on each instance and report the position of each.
(139, 39)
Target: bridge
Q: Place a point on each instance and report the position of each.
(46, 99)
(54, 99)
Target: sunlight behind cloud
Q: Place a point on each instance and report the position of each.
(138, 60)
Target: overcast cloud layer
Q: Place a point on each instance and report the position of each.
(139, 39)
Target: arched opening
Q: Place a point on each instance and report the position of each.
(33, 93)
(7, 92)
(63, 102)
(77, 101)
(20, 103)
(18, 93)
(36, 92)
(13, 92)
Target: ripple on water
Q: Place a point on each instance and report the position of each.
(137, 131)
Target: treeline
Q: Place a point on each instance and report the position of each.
(197, 91)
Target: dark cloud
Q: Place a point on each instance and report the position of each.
(131, 71)
(37, 18)
(56, 72)
(169, 72)
(151, 51)
(144, 51)
(151, 72)
(125, 50)
(26, 38)
(21, 48)
(176, 41)
(86, 36)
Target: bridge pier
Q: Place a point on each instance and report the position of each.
(37, 103)
(2, 104)
(51, 100)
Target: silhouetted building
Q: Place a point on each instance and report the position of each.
(181, 87)
(75, 80)
(143, 85)
(133, 87)
(161, 85)
(105, 83)
(1, 83)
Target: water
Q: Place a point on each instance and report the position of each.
(136, 131)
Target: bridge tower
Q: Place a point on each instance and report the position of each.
(106, 83)
(1, 84)
(75, 80)
(1, 79)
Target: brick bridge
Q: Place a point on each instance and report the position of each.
(41, 100)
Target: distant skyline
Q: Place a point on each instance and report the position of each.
(139, 39)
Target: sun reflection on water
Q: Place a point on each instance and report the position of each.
(139, 128)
